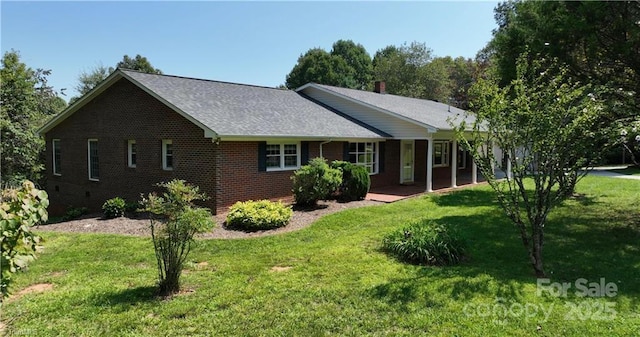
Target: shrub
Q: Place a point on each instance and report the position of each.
(114, 208)
(174, 222)
(131, 207)
(74, 213)
(355, 180)
(20, 209)
(425, 242)
(257, 215)
(315, 181)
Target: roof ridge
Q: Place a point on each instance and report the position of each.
(202, 79)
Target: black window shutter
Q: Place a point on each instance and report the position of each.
(381, 157)
(345, 151)
(262, 156)
(304, 153)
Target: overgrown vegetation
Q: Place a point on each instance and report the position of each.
(20, 209)
(315, 181)
(114, 208)
(425, 242)
(258, 215)
(355, 181)
(174, 221)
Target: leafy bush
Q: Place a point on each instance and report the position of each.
(425, 242)
(257, 215)
(355, 180)
(74, 213)
(20, 209)
(114, 208)
(174, 221)
(131, 207)
(315, 181)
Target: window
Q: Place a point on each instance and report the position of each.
(440, 153)
(56, 156)
(283, 156)
(462, 159)
(167, 154)
(364, 154)
(94, 164)
(132, 153)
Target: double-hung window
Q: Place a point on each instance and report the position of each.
(283, 156)
(57, 167)
(440, 153)
(94, 163)
(364, 154)
(132, 153)
(167, 154)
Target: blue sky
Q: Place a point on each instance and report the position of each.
(245, 42)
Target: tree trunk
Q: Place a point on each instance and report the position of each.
(536, 253)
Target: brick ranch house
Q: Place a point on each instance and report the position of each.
(239, 142)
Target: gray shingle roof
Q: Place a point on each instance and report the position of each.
(420, 110)
(231, 109)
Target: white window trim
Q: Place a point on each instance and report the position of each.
(445, 153)
(89, 159)
(164, 155)
(130, 163)
(53, 150)
(282, 167)
(376, 156)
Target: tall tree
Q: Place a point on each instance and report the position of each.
(599, 41)
(358, 60)
(319, 66)
(88, 80)
(27, 101)
(546, 124)
(402, 68)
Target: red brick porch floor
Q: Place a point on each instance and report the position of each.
(394, 193)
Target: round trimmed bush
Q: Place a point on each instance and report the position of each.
(355, 180)
(425, 242)
(114, 208)
(258, 215)
(315, 181)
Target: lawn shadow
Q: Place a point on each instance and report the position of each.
(470, 197)
(129, 296)
(580, 243)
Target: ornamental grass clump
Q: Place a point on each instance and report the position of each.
(425, 242)
(258, 215)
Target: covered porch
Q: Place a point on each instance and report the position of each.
(392, 193)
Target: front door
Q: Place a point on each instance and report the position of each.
(407, 160)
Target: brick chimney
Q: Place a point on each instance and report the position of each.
(379, 87)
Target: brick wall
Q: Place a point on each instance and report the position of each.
(121, 113)
(240, 180)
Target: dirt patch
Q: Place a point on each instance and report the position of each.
(34, 288)
(278, 269)
(140, 226)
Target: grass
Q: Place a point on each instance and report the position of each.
(340, 283)
(631, 170)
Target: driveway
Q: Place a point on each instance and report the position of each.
(600, 171)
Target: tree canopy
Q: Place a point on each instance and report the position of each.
(27, 101)
(408, 70)
(88, 80)
(347, 65)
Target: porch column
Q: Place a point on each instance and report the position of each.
(430, 164)
(454, 162)
(509, 174)
(474, 172)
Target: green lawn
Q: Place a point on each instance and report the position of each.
(340, 283)
(635, 171)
